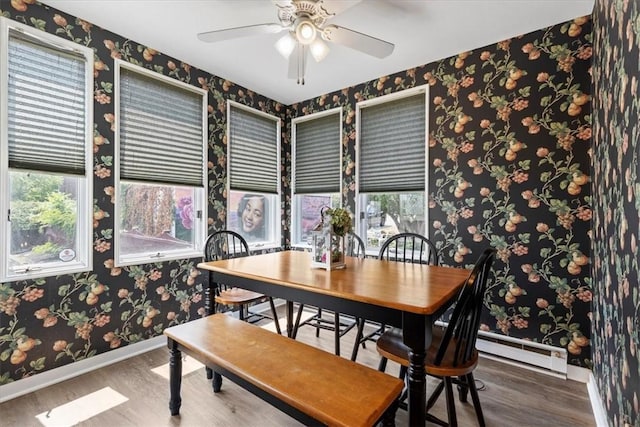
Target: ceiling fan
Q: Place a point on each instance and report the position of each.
(307, 31)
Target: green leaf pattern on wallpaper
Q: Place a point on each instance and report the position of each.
(523, 136)
(52, 322)
(616, 220)
(509, 137)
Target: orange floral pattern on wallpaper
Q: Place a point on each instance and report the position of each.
(509, 143)
(616, 222)
(51, 322)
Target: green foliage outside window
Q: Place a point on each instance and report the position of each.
(41, 211)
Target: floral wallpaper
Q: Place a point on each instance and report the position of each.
(510, 144)
(509, 137)
(616, 217)
(55, 321)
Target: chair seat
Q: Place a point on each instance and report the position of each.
(235, 296)
(390, 345)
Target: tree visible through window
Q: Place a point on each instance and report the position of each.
(45, 175)
(161, 151)
(392, 159)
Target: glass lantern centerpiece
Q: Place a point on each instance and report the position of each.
(327, 239)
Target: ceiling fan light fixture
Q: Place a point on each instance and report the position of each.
(319, 50)
(305, 30)
(285, 45)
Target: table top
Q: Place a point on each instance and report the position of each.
(414, 288)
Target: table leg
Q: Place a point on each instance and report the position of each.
(289, 311)
(175, 378)
(416, 332)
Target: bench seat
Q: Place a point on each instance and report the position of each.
(311, 385)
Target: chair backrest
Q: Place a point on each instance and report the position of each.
(409, 247)
(225, 244)
(354, 246)
(462, 330)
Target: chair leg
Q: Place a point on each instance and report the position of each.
(451, 403)
(432, 400)
(383, 364)
(434, 395)
(241, 312)
(471, 382)
(403, 371)
(296, 324)
(356, 344)
(463, 389)
(318, 323)
(275, 316)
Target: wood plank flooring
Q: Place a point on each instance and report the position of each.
(511, 396)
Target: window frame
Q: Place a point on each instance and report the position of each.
(200, 193)
(296, 212)
(361, 225)
(277, 218)
(83, 260)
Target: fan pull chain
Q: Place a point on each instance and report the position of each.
(301, 57)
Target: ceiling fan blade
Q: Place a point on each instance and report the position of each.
(358, 41)
(238, 32)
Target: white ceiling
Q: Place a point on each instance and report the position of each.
(423, 31)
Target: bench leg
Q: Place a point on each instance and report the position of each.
(210, 308)
(175, 379)
(217, 382)
(389, 417)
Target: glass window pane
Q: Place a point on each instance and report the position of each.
(156, 219)
(307, 214)
(43, 220)
(387, 214)
(254, 217)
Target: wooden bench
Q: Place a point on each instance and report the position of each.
(311, 385)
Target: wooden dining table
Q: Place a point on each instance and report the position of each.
(404, 295)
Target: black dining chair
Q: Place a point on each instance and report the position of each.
(402, 247)
(340, 324)
(452, 355)
(226, 244)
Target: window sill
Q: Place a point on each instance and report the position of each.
(157, 258)
(42, 272)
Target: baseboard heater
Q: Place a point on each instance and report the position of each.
(528, 354)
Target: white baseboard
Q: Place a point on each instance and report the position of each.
(599, 412)
(576, 373)
(30, 384)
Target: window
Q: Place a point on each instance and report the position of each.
(254, 175)
(46, 113)
(160, 158)
(392, 158)
(316, 170)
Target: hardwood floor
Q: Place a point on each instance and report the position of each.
(511, 396)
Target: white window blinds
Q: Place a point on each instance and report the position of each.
(47, 113)
(161, 131)
(392, 145)
(253, 151)
(317, 155)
